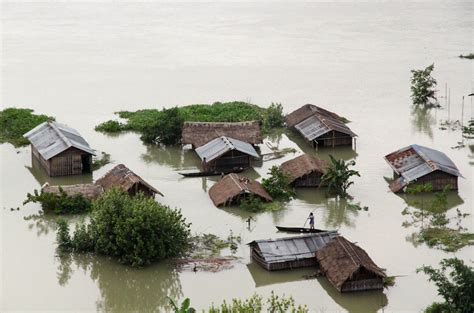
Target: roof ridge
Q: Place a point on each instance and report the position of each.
(60, 134)
(420, 153)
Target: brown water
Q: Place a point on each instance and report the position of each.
(80, 62)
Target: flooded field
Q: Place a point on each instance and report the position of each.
(83, 61)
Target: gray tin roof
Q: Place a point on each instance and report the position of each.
(415, 161)
(217, 147)
(51, 138)
(317, 125)
(293, 248)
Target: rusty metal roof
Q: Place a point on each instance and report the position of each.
(219, 146)
(293, 248)
(52, 138)
(318, 125)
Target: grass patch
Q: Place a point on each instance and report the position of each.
(14, 123)
(445, 238)
(255, 204)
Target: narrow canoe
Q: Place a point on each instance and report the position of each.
(300, 230)
(213, 173)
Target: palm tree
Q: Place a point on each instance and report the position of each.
(337, 176)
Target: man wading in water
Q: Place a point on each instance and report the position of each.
(311, 220)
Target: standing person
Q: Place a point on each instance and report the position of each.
(311, 220)
(204, 164)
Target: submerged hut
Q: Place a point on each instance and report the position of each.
(305, 170)
(289, 252)
(320, 127)
(60, 150)
(225, 152)
(200, 133)
(122, 177)
(89, 191)
(348, 267)
(232, 188)
(416, 164)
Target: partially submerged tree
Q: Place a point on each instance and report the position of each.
(278, 185)
(274, 116)
(455, 283)
(338, 175)
(166, 130)
(423, 87)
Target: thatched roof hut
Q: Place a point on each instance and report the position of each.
(232, 187)
(306, 111)
(200, 133)
(348, 267)
(90, 191)
(122, 177)
(305, 170)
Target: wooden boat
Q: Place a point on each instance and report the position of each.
(300, 230)
(213, 173)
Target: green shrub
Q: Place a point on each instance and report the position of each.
(59, 203)
(110, 127)
(278, 185)
(423, 87)
(274, 116)
(256, 304)
(338, 175)
(62, 236)
(98, 163)
(165, 130)
(14, 123)
(135, 230)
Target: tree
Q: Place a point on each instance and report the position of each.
(456, 287)
(422, 87)
(278, 185)
(274, 116)
(166, 129)
(338, 175)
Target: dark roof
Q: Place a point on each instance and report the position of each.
(122, 177)
(415, 161)
(233, 185)
(200, 133)
(340, 259)
(219, 146)
(292, 248)
(51, 138)
(303, 165)
(90, 191)
(306, 111)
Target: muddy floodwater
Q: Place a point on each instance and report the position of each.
(82, 61)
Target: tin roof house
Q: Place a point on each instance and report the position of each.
(416, 164)
(320, 127)
(60, 149)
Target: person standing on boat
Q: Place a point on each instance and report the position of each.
(311, 220)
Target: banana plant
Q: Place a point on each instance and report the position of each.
(184, 308)
(337, 176)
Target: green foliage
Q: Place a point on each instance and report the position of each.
(455, 283)
(467, 56)
(210, 245)
(255, 204)
(389, 281)
(62, 236)
(60, 203)
(422, 87)
(274, 117)
(338, 175)
(278, 185)
(135, 230)
(111, 127)
(14, 123)
(256, 304)
(98, 163)
(468, 131)
(166, 129)
(185, 306)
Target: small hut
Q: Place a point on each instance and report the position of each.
(416, 164)
(305, 170)
(348, 267)
(226, 153)
(89, 191)
(200, 133)
(320, 127)
(232, 188)
(122, 177)
(60, 150)
(289, 252)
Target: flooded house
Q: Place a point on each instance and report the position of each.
(89, 191)
(416, 164)
(198, 134)
(305, 170)
(289, 252)
(122, 177)
(60, 150)
(348, 267)
(226, 153)
(232, 188)
(319, 127)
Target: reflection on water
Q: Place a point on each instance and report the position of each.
(361, 301)
(45, 223)
(262, 277)
(122, 288)
(423, 199)
(42, 177)
(423, 120)
(172, 156)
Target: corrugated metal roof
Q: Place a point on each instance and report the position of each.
(51, 138)
(415, 161)
(217, 147)
(317, 125)
(293, 248)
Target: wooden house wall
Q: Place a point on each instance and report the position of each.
(438, 179)
(68, 162)
(334, 138)
(230, 159)
(310, 180)
(362, 284)
(44, 163)
(276, 266)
